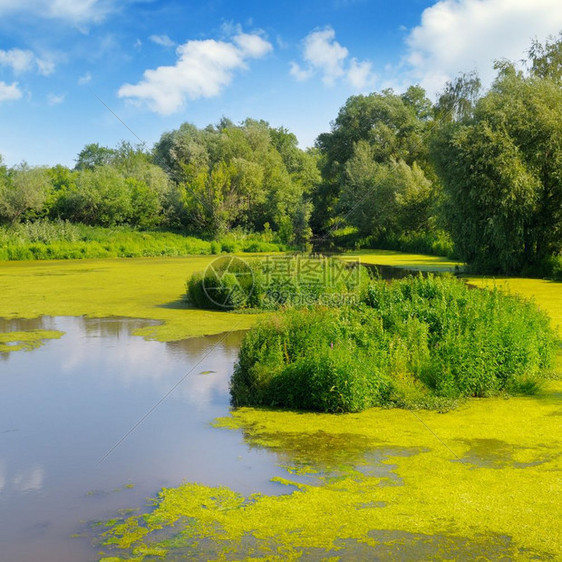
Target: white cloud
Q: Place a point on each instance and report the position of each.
(9, 91)
(202, 70)
(20, 60)
(323, 55)
(299, 73)
(360, 74)
(162, 40)
(75, 11)
(85, 79)
(55, 99)
(252, 45)
(463, 35)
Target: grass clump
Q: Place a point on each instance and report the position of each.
(417, 342)
(273, 282)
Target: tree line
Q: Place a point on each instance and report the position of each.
(477, 173)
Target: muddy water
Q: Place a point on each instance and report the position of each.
(100, 420)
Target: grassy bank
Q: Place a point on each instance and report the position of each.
(46, 240)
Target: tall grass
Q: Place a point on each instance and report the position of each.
(417, 342)
(43, 240)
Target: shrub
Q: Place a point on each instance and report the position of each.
(277, 281)
(417, 342)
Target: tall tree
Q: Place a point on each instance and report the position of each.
(93, 155)
(372, 136)
(502, 170)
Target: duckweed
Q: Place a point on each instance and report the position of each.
(26, 341)
(482, 480)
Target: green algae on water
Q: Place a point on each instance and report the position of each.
(26, 341)
(482, 480)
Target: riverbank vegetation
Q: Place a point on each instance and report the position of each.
(42, 240)
(416, 342)
(474, 175)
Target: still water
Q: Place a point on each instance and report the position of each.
(99, 420)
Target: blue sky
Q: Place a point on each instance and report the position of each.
(157, 64)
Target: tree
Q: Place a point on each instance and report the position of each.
(94, 155)
(457, 101)
(384, 199)
(23, 193)
(502, 168)
(371, 136)
(101, 197)
(243, 175)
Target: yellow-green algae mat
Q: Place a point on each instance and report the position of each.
(481, 482)
(152, 288)
(26, 340)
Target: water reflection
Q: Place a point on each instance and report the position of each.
(96, 390)
(27, 324)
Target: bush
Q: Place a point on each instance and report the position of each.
(277, 281)
(417, 342)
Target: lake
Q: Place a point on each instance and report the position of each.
(66, 408)
(94, 423)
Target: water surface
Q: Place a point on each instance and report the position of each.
(100, 420)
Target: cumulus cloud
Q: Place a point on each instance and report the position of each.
(462, 35)
(20, 61)
(75, 11)
(162, 40)
(323, 55)
(202, 70)
(9, 91)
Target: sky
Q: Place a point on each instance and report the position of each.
(74, 72)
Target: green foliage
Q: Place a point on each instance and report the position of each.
(393, 197)
(23, 193)
(378, 129)
(500, 168)
(434, 242)
(308, 359)
(231, 176)
(277, 281)
(94, 155)
(43, 239)
(418, 342)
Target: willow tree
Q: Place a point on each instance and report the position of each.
(502, 170)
